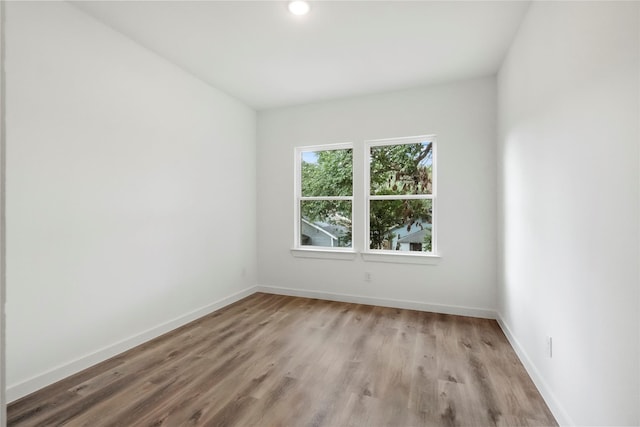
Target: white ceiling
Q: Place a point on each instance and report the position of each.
(261, 54)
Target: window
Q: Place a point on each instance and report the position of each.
(324, 196)
(396, 195)
(400, 194)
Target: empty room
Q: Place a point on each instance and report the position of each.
(322, 213)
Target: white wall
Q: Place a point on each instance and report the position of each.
(3, 408)
(462, 115)
(130, 198)
(568, 96)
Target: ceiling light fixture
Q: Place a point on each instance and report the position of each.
(299, 7)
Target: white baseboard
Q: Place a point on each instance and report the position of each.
(16, 391)
(562, 417)
(384, 302)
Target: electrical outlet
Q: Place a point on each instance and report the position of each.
(550, 347)
(367, 276)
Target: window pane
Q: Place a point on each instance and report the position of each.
(402, 169)
(327, 173)
(325, 223)
(400, 225)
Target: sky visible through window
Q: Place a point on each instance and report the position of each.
(310, 157)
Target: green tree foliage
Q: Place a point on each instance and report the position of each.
(386, 216)
(402, 169)
(398, 170)
(427, 243)
(331, 175)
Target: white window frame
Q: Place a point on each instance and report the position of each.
(319, 251)
(391, 255)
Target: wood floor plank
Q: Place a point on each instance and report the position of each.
(286, 361)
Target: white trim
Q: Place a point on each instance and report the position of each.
(41, 380)
(401, 257)
(368, 196)
(321, 252)
(382, 302)
(3, 264)
(561, 415)
(402, 197)
(297, 186)
(402, 140)
(312, 198)
(325, 147)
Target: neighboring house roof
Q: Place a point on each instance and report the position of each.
(328, 229)
(401, 231)
(415, 237)
(337, 230)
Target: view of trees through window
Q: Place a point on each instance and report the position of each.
(401, 197)
(326, 198)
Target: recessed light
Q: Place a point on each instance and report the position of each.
(299, 7)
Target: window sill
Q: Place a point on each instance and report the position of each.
(382, 256)
(401, 258)
(340, 254)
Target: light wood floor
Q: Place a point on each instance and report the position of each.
(274, 360)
